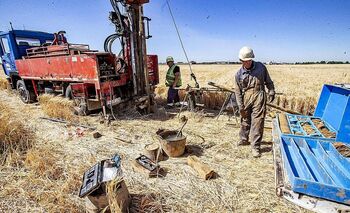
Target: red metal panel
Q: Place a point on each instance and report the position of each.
(153, 69)
(75, 68)
(58, 67)
(78, 90)
(85, 66)
(22, 67)
(82, 90)
(35, 88)
(123, 81)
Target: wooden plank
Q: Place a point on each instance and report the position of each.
(203, 170)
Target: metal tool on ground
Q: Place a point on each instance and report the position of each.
(66, 122)
(146, 166)
(184, 119)
(146, 163)
(197, 98)
(190, 99)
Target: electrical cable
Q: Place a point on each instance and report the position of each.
(111, 98)
(182, 45)
(117, 20)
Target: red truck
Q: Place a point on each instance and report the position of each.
(94, 78)
(38, 62)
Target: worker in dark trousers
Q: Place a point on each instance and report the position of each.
(173, 80)
(250, 82)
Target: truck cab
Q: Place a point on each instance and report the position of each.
(13, 46)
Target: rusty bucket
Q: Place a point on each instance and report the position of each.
(173, 146)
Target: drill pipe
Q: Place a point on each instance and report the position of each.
(268, 104)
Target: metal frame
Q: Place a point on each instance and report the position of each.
(284, 184)
(294, 122)
(334, 107)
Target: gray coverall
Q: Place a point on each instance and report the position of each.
(251, 97)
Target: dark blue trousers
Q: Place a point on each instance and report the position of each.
(173, 95)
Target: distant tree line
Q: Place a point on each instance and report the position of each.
(210, 62)
(270, 63)
(323, 62)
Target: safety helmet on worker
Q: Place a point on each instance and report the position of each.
(169, 59)
(246, 54)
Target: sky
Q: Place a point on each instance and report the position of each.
(281, 31)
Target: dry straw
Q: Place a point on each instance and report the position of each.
(3, 84)
(57, 107)
(15, 137)
(44, 163)
(304, 105)
(51, 177)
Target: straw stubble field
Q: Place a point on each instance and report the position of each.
(46, 175)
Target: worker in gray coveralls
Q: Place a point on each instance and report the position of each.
(250, 81)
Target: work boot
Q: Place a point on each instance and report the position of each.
(256, 153)
(169, 106)
(242, 143)
(178, 104)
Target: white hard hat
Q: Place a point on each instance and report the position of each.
(169, 59)
(246, 54)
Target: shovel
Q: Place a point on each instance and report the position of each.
(183, 125)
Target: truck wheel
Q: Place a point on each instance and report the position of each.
(25, 95)
(68, 92)
(81, 107)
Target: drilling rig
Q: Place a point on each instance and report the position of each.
(38, 62)
(132, 30)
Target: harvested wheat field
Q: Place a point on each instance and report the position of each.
(44, 173)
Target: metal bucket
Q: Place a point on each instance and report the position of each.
(173, 146)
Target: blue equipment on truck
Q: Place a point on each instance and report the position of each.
(311, 154)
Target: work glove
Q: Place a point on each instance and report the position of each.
(243, 113)
(271, 97)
